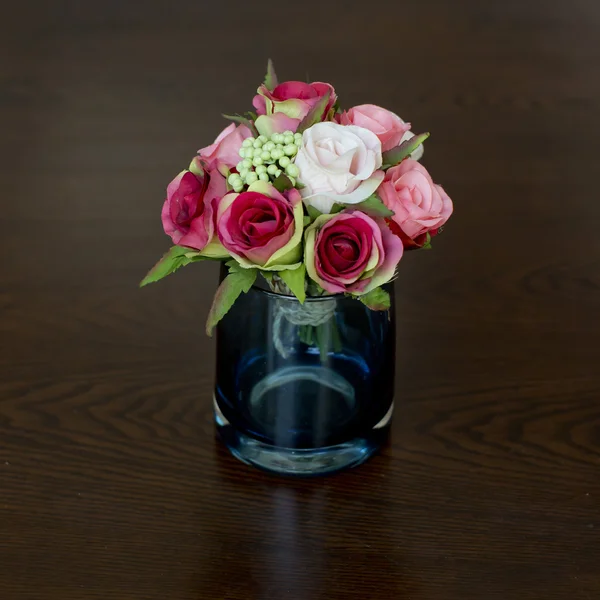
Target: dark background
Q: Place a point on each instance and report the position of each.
(111, 485)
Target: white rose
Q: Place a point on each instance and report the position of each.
(338, 165)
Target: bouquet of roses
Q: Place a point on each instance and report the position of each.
(315, 199)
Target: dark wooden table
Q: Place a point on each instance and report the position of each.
(111, 483)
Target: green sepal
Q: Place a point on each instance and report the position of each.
(294, 279)
(396, 155)
(270, 81)
(377, 299)
(315, 114)
(374, 206)
(243, 121)
(283, 183)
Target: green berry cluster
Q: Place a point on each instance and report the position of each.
(264, 159)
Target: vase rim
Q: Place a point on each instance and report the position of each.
(291, 298)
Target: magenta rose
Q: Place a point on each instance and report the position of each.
(420, 206)
(192, 197)
(351, 252)
(262, 227)
(224, 150)
(388, 127)
(283, 108)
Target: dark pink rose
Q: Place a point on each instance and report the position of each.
(420, 206)
(262, 227)
(351, 252)
(284, 107)
(192, 198)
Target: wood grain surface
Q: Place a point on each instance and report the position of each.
(111, 483)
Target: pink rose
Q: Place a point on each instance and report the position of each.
(187, 214)
(224, 150)
(420, 206)
(283, 108)
(388, 127)
(262, 227)
(351, 252)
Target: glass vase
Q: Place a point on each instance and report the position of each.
(304, 389)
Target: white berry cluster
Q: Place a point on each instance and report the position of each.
(266, 159)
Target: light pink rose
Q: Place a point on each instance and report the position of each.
(192, 199)
(338, 165)
(351, 252)
(224, 150)
(287, 104)
(419, 205)
(388, 127)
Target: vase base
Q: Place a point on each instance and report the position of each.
(294, 462)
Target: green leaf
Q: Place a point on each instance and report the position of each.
(283, 183)
(377, 299)
(307, 221)
(313, 213)
(397, 155)
(427, 244)
(374, 207)
(239, 280)
(243, 121)
(315, 114)
(336, 208)
(176, 257)
(294, 279)
(270, 81)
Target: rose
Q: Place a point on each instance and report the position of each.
(224, 150)
(287, 104)
(338, 165)
(187, 213)
(351, 252)
(262, 227)
(420, 206)
(388, 127)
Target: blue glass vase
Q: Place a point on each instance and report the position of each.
(304, 389)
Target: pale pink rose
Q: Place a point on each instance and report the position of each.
(419, 205)
(224, 150)
(338, 165)
(388, 127)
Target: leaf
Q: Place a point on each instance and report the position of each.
(176, 257)
(283, 183)
(374, 207)
(377, 299)
(336, 208)
(427, 244)
(315, 114)
(239, 280)
(270, 81)
(313, 213)
(242, 121)
(397, 155)
(307, 221)
(294, 279)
